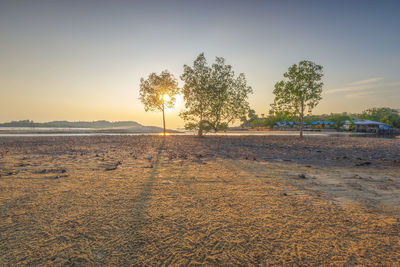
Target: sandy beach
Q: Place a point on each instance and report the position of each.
(218, 200)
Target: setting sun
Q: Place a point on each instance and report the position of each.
(166, 98)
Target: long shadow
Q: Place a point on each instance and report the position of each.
(142, 203)
(145, 196)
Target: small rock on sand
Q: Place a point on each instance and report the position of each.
(302, 176)
(365, 163)
(111, 168)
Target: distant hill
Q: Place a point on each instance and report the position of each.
(75, 124)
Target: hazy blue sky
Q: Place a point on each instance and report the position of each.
(82, 60)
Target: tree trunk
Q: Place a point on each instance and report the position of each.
(163, 117)
(301, 120)
(200, 132)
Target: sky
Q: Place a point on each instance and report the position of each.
(83, 60)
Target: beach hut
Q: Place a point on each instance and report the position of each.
(365, 125)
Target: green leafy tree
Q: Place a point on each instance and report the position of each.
(278, 116)
(386, 115)
(352, 125)
(300, 91)
(258, 122)
(214, 96)
(251, 116)
(339, 119)
(310, 118)
(158, 92)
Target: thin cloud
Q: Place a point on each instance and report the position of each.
(350, 88)
(393, 84)
(363, 85)
(368, 81)
(368, 93)
(360, 94)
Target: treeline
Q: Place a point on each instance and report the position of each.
(385, 115)
(68, 124)
(214, 95)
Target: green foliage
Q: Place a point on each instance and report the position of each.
(158, 92)
(352, 125)
(271, 120)
(386, 115)
(339, 119)
(300, 90)
(258, 122)
(251, 116)
(155, 87)
(310, 118)
(214, 96)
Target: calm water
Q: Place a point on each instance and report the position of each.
(41, 129)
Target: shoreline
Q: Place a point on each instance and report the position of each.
(133, 132)
(79, 131)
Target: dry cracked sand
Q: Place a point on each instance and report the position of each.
(261, 200)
